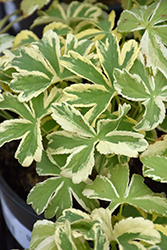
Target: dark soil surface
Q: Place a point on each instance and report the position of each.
(20, 179)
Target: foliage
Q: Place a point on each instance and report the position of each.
(86, 100)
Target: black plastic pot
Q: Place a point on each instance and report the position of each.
(19, 216)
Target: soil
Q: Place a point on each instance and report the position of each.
(20, 179)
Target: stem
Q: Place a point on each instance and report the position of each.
(129, 102)
(5, 115)
(120, 212)
(113, 245)
(135, 111)
(128, 5)
(117, 100)
(7, 27)
(150, 139)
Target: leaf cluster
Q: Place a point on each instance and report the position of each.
(86, 100)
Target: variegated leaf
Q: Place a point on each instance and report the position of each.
(155, 160)
(75, 12)
(98, 96)
(83, 47)
(61, 29)
(24, 37)
(27, 127)
(38, 63)
(153, 43)
(43, 235)
(135, 193)
(57, 192)
(132, 232)
(155, 167)
(79, 140)
(29, 7)
(95, 227)
(102, 219)
(6, 41)
(163, 232)
(71, 120)
(150, 90)
(101, 241)
(101, 30)
(63, 237)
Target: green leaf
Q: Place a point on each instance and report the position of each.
(131, 232)
(101, 241)
(151, 91)
(38, 62)
(63, 237)
(150, 19)
(26, 128)
(6, 41)
(60, 28)
(74, 13)
(98, 96)
(155, 167)
(155, 159)
(73, 123)
(100, 31)
(56, 192)
(24, 37)
(43, 235)
(135, 193)
(79, 139)
(29, 7)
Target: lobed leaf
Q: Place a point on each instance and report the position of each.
(26, 128)
(38, 62)
(6, 41)
(57, 192)
(131, 232)
(28, 8)
(79, 140)
(154, 160)
(151, 92)
(43, 235)
(136, 193)
(150, 19)
(91, 95)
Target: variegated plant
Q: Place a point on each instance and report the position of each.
(86, 101)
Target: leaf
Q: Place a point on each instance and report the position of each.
(101, 241)
(79, 139)
(74, 13)
(102, 220)
(159, 147)
(26, 128)
(131, 232)
(57, 192)
(28, 8)
(38, 62)
(136, 193)
(43, 235)
(155, 159)
(163, 232)
(24, 37)
(100, 31)
(64, 238)
(155, 167)
(60, 28)
(151, 91)
(150, 19)
(92, 227)
(99, 95)
(6, 41)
